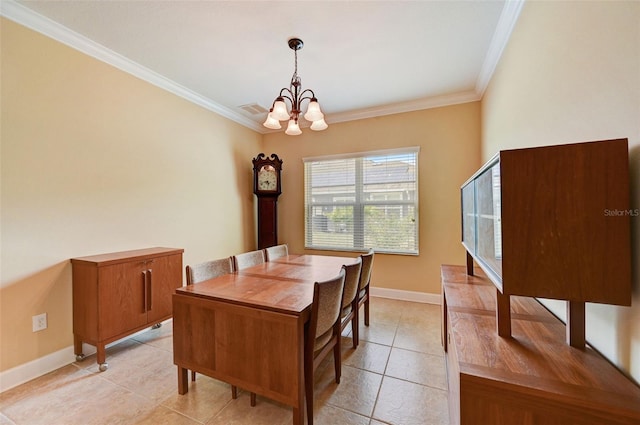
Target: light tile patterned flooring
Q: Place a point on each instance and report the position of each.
(395, 376)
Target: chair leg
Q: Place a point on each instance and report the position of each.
(193, 375)
(308, 387)
(337, 359)
(366, 310)
(234, 392)
(354, 333)
(253, 399)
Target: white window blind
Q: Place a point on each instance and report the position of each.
(354, 202)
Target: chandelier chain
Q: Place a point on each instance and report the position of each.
(295, 69)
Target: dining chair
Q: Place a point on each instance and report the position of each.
(363, 293)
(243, 261)
(208, 270)
(323, 335)
(348, 311)
(205, 271)
(277, 251)
(248, 259)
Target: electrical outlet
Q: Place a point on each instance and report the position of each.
(39, 322)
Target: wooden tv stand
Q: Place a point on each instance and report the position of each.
(532, 377)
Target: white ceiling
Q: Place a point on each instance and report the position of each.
(361, 58)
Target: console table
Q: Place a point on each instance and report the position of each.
(117, 294)
(532, 377)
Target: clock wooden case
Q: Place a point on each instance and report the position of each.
(267, 185)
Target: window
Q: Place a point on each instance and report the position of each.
(365, 200)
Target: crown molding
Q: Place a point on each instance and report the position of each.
(506, 23)
(28, 18)
(398, 108)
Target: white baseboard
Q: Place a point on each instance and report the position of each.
(35, 368)
(43, 365)
(413, 296)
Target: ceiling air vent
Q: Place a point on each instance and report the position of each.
(253, 108)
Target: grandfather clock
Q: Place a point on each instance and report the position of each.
(267, 187)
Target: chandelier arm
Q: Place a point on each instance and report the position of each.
(285, 93)
(302, 96)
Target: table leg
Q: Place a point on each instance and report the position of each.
(469, 264)
(77, 348)
(503, 314)
(576, 324)
(101, 357)
(298, 416)
(183, 382)
(77, 345)
(299, 409)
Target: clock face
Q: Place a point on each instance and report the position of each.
(267, 178)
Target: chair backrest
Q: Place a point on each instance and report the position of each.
(277, 251)
(248, 259)
(208, 270)
(351, 282)
(367, 266)
(325, 311)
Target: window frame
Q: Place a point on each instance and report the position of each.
(359, 203)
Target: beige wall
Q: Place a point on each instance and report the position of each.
(448, 138)
(95, 160)
(571, 73)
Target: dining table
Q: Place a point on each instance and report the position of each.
(247, 328)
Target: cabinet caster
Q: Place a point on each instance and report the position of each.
(79, 357)
(103, 366)
(156, 326)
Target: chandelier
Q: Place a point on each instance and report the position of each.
(295, 96)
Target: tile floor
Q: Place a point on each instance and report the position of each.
(395, 376)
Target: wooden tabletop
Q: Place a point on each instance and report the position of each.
(284, 285)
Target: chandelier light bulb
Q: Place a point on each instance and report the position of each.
(319, 125)
(272, 123)
(280, 112)
(313, 111)
(293, 129)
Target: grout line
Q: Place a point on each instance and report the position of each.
(384, 374)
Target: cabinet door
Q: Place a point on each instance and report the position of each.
(122, 298)
(165, 277)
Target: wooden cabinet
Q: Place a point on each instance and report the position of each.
(532, 377)
(552, 222)
(117, 294)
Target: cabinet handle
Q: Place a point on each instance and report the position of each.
(149, 291)
(145, 287)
